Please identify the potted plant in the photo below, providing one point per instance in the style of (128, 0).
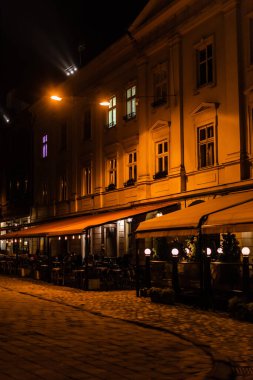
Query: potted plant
(226, 270)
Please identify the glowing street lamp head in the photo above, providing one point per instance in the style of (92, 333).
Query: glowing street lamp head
(104, 103)
(55, 97)
(70, 70)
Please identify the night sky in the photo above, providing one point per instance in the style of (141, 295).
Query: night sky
(40, 38)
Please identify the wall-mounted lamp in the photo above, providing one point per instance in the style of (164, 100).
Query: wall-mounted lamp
(104, 103)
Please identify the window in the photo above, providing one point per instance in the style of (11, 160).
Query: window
(44, 146)
(112, 112)
(63, 138)
(205, 63)
(160, 79)
(86, 179)
(63, 188)
(161, 159)
(87, 125)
(130, 103)
(206, 146)
(112, 173)
(132, 169)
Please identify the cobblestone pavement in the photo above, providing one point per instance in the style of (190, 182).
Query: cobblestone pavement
(207, 333)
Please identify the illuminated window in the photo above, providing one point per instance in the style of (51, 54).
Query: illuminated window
(86, 179)
(206, 146)
(205, 63)
(132, 169)
(87, 125)
(112, 112)
(161, 159)
(130, 103)
(160, 79)
(112, 173)
(44, 146)
(63, 189)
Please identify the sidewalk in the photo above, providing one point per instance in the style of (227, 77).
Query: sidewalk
(227, 340)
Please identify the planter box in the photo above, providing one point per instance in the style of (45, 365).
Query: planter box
(226, 276)
(189, 274)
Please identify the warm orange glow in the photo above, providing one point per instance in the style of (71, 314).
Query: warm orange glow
(55, 97)
(104, 103)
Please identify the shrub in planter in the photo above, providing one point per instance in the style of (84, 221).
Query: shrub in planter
(162, 295)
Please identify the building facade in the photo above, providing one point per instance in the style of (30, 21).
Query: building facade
(178, 127)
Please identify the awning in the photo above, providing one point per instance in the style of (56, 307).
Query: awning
(234, 219)
(76, 225)
(189, 220)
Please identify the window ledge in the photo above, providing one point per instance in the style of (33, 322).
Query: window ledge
(130, 182)
(129, 116)
(161, 174)
(159, 102)
(111, 187)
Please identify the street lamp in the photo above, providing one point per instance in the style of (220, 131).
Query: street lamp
(207, 276)
(55, 97)
(147, 252)
(175, 280)
(245, 270)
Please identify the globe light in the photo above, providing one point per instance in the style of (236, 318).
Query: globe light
(208, 252)
(245, 251)
(147, 252)
(175, 252)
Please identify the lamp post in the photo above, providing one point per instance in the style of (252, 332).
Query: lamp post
(147, 252)
(207, 277)
(175, 280)
(245, 271)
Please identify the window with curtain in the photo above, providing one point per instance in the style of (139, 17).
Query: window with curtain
(161, 164)
(112, 112)
(206, 146)
(130, 103)
(131, 168)
(112, 173)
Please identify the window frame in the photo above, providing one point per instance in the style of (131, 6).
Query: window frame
(205, 142)
(201, 47)
(130, 102)
(161, 159)
(131, 165)
(160, 84)
(111, 175)
(112, 112)
(87, 179)
(45, 145)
